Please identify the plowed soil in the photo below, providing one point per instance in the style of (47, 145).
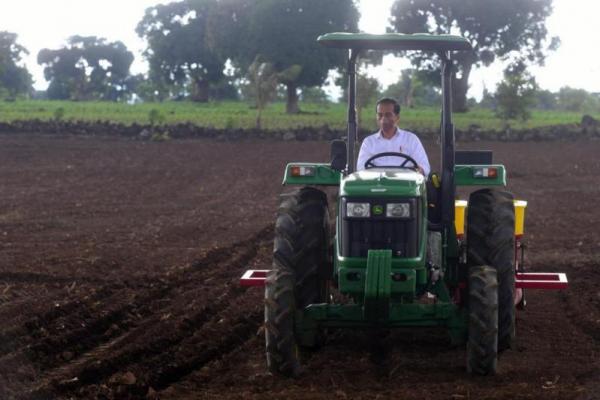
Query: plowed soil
(120, 260)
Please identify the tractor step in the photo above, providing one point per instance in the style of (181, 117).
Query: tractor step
(541, 280)
(254, 277)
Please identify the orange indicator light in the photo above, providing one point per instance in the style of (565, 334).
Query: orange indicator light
(301, 170)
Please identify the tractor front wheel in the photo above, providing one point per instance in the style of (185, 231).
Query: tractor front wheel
(482, 344)
(301, 268)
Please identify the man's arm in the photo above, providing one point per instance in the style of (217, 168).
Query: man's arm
(420, 156)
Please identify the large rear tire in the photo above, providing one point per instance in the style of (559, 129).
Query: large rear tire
(482, 344)
(301, 268)
(491, 241)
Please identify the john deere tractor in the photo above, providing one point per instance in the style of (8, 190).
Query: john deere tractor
(399, 251)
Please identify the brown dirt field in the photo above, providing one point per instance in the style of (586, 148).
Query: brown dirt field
(120, 260)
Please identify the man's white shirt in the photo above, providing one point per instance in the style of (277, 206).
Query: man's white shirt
(402, 142)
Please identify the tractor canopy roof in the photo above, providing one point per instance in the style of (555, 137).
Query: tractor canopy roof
(394, 41)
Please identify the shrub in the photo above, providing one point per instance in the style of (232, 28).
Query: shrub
(59, 114)
(516, 93)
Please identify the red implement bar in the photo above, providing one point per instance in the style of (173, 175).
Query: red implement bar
(523, 280)
(254, 277)
(541, 280)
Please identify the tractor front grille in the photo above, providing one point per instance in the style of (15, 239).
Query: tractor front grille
(359, 235)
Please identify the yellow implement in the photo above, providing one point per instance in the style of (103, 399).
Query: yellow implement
(520, 206)
(460, 207)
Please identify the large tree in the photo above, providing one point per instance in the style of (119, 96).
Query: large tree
(87, 68)
(284, 33)
(14, 79)
(182, 50)
(496, 29)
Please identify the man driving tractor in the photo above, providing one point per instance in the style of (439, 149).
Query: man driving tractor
(390, 138)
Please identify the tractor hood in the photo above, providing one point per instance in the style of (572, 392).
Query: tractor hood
(383, 182)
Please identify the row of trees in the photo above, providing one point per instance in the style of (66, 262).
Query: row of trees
(517, 95)
(514, 97)
(205, 48)
(190, 42)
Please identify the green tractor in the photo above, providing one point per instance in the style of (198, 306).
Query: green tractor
(399, 252)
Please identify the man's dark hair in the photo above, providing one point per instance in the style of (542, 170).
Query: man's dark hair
(389, 100)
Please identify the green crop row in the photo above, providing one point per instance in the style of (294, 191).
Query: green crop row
(241, 115)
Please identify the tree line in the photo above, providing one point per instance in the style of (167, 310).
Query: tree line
(214, 49)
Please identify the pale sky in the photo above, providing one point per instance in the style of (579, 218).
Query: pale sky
(48, 23)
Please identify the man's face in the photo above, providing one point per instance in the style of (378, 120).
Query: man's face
(386, 119)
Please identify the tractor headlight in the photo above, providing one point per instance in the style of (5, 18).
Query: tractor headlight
(398, 210)
(358, 210)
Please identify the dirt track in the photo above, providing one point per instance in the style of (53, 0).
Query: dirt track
(119, 263)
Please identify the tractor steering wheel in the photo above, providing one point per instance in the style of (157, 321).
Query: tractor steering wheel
(407, 158)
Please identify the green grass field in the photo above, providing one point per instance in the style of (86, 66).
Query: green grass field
(241, 115)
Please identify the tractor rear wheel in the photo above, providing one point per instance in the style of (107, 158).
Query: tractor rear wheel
(482, 344)
(301, 268)
(491, 241)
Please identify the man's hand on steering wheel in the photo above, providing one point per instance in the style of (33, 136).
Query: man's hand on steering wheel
(407, 159)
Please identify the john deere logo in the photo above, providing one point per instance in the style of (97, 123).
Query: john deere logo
(377, 210)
